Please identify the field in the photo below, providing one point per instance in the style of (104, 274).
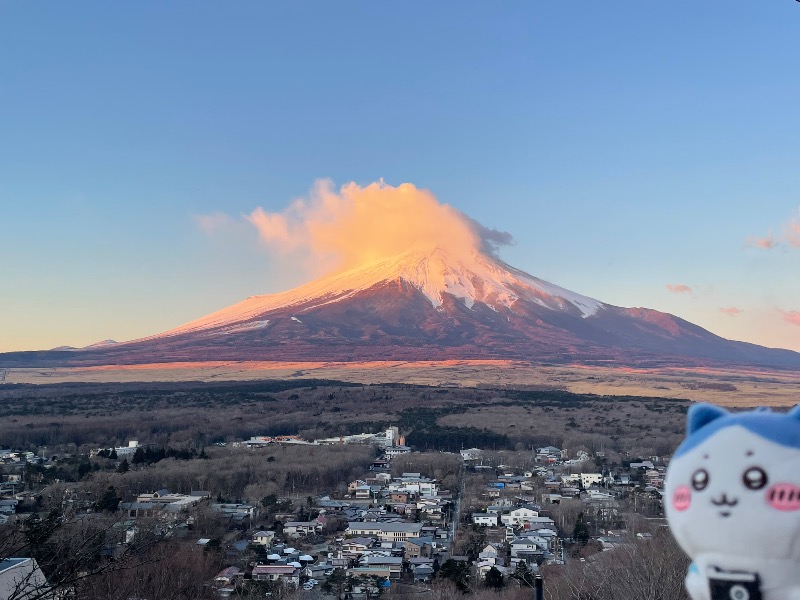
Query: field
(728, 387)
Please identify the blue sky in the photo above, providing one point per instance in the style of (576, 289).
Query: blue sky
(627, 146)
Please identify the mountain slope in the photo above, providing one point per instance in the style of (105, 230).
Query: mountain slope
(428, 305)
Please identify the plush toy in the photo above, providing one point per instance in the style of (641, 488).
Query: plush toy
(733, 503)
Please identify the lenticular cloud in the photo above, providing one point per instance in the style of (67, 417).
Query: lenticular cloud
(342, 229)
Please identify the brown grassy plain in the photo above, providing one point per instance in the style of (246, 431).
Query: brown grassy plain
(725, 386)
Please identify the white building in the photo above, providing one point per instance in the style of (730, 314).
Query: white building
(387, 532)
(590, 479)
(485, 519)
(396, 451)
(127, 451)
(472, 454)
(518, 517)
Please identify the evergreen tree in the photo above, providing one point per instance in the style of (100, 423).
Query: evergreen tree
(523, 574)
(123, 466)
(457, 572)
(109, 501)
(494, 579)
(581, 531)
(138, 456)
(335, 582)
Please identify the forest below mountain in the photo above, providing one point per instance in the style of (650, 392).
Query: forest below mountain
(196, 415)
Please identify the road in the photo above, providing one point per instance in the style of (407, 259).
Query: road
(456, 516)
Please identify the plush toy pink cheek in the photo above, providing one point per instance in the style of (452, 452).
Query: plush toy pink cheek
(784, 496)
(682, 498)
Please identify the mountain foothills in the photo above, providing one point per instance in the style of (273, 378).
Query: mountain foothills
(427, 305)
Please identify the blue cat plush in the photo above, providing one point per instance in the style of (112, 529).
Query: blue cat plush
(732, 500)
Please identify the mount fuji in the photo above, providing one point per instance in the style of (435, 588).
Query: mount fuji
(427, 304)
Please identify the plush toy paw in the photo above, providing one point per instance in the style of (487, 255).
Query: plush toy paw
(697, 585)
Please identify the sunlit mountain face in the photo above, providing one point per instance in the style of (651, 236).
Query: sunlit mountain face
(428, 304)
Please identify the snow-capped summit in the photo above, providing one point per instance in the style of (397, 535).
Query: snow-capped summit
(435, 273)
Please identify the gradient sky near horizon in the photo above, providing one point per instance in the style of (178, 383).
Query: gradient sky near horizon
(641, 153)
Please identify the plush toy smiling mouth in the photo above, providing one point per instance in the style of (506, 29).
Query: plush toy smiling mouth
(724, 501)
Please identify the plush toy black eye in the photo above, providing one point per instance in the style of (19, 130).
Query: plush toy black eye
(754, 478)
(700, 480)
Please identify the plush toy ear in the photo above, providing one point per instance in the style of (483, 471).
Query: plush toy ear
(795, 412)
(701, 415)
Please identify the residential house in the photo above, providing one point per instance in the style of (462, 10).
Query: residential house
(539, 523)
(482, 567)
(485, 519)
(263, 538)
(227, 580)
(363, 492)
(21, 578)
(404, 509)
(288, 574)
(419, 547)
(354, 485)
(519, 516)
(296, 529)
(8, 507)
(414, 483)
(401, 496)
(528, 549)
(433, 511)
(357, 546)
(423, 573)
(394, 564)
(472, 454)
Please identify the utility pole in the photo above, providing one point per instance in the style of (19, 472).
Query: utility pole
(538, 588)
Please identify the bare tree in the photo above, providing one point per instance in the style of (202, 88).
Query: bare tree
(638, 570)
(71, 549)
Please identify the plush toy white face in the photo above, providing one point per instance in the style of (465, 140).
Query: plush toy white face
(736, 493)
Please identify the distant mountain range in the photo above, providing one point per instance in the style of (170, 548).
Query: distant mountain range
(427, 305)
